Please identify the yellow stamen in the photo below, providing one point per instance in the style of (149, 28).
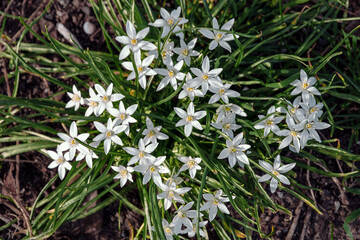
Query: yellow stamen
(216, 202)
(293, 133)
(123, 173)
(133, 41)
(185, 52)
(170, 21)
(105, 98)
(269, 122)
(233, 150)
(308, 125)
(221, 91)
(218, 36)
(76, 98)
(275, 173)
(151, 133)
(190, 164)
(293, 110)
(141, 154)
(305, 85)
(227, 126)
(140, 69)
(122, 116)
(60, 160)
(171, 74)
(108, 134)
(170, 194)
(152, 169)
(190, 89)
(205, 77)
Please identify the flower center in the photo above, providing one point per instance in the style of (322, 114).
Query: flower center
(60, 160)
(189, 118)
(151, 133)
(140, 69)
(191, 164)
(73, 142)
(122, 116)
(218, 36)
(152, 169)
(221, 91)
(123, 173)
(227, 126)
(76, 98)
(190, 89)
(227, 109)
(170, 21)
(171, 73)
(215, 201)
(275, 173)
(293, 133)
(205, 77)
(293, 110)
(167, 230)
(105, 98)
(305, 85)
(93, 104)
(185, 52)
(141, 154)
(269, 122)
(163, 54)
(308, 125)
(314, 109)
(170, 194)
(108, 134)
(133, 41)
(233, 149)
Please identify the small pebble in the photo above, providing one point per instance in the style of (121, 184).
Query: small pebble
(89, 28)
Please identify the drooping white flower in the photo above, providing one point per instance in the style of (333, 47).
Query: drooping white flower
(134, 41)
(170, 21)
(93, 103)
(60, 161)
(71, 142)
(88, 154)
(185, 51)
(172, 193)
(227, 125)
(191, 232)
(151, 168)
(123, 115)
(219, 37)
(172, 74)
(292, 134)
(182, 217)
(106, 98)
(205, 76)
(228, 109)
(214, 203)
(269, 123)
(190, 163)
(153, 133)
(235, 151)
(189, 91)
(277, 171)
(222, 92)
(166, 53)
(109, 134)
(142, 153)
(142, 68)
(76, 99)
(306, 88)
(189, 118)
(124, 174)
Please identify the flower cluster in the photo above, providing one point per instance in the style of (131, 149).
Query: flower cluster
(191, 83)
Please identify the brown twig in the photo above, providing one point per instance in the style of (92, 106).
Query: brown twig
(306, 224)
(295, 221)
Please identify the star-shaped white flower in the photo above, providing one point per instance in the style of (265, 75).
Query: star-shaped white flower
(172, 193)
(153, 133)
(106, 98)
(71, 142)
(182, 217)
(214, 203)
(170, 21)
(189, 91)
(123, 116)
(312, 109)
(235, 151)
(60, 161)
(190, 163)
(269, 123)
(189, 118)
(191, 232)
(172, 74)
(141, 153)
(205, 76)
(93, 104)
(124, 174)
(142, 68)
(88, 154)
(168, 229)
(276, 170)
(166, 53)
(222, 92)
(76, 99)
(310, 126)
(227, 125)
(186, 51)
(219, 37)
(306, 88)
(151, 168)
(134, 41)
(292, 134)
(109, 134)
(228, 109)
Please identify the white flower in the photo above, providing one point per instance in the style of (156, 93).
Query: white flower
(172, 193)
(190, 163)
(276, 170)
(142, 68)
(93, 104)
(153, 133)
(60, 161)
(219, 37)
(295, 111)
(123, 116)
(269, 123)
(124, 174)
(189, 118)
(227, 125)
(76, 99)
(168, 229)
(169, 21)
(134, 41)
(306, 88)
(109, 133)
(166, 53)
(310, 126)
(144, 152)
(292, 134)
(105, 98)
(88, 154)
(189, 91)
(186, 51)
(235, 151)
(214, 203)
(182, 217)
(228, 109)
(191, 232)
(222, 92)
(204, 77)
(151, 168)
(71, 142)
(313, 109)
(172, 74)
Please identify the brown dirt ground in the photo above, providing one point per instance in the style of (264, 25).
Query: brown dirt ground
(104, 224)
